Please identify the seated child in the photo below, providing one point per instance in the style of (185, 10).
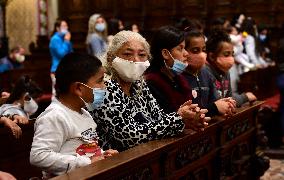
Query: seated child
(65, 133)
(199, 79)
(19, 105)
(220, 58)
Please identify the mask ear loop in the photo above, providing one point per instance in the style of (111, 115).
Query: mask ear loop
(171, 57)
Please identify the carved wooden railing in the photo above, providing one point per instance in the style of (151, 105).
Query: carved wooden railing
(224, 150)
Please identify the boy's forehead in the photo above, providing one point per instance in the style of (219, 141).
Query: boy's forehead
(197, 41)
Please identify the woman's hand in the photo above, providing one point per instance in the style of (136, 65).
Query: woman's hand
(186, 111)
(194, 117)
(20, 119)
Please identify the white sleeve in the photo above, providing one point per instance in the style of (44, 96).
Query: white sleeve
(250, 50)
(50, 134)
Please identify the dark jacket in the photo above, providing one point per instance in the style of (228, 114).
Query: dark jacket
(169, 93)
(203, 90)
(223, 86)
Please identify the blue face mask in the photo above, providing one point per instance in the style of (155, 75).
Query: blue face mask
(99, 96)
(262, 37)
(100, 27)
(178, 66)
(63, 31)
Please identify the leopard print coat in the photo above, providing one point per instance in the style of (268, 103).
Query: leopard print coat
(125, 121)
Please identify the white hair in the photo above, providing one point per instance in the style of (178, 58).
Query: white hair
(123, 37)
(117, 42)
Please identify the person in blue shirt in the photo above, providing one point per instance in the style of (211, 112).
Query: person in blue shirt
(59, 46)
(14, 60)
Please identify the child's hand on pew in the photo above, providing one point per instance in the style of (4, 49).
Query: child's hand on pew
(110, 152)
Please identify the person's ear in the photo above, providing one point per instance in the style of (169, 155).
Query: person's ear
(77, 89)
(165, 54)
(211, 57)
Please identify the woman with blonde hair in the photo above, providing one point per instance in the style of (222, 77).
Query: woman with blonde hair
(130, 115)
(97, 35)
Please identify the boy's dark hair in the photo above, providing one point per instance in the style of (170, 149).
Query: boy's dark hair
(75, 67)
(23, 85)
(215, 38)
(190, 33)
(167, 37)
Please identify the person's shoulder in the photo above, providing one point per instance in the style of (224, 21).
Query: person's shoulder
(55, 37)
(10, 109)
(154, 76)
(4, 59)
(205, 70)
(94, 36)
(54, 112)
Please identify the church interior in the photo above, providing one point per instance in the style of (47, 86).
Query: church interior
(245, 143)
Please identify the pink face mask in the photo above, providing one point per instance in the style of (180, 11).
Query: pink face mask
(196, 61)
(225, 63)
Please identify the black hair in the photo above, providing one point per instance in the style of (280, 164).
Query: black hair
(57, 24)
(113, 26)
(184, 23)
(215, 38)
(75, 67)
(167, 37)
(190, 33)
(24, 85)
(248, 26)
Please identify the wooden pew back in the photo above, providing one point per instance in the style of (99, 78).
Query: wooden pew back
(224, 150)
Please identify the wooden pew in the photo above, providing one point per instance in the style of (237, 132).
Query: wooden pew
(224, 150)
(41, 75)
(262, 82)
(14, 153)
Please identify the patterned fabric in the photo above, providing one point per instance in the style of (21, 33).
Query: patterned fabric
(125, 121)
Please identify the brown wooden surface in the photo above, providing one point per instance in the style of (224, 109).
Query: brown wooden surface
(15, 153)
(204, 155)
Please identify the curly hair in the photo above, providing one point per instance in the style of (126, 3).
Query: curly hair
(215, 38)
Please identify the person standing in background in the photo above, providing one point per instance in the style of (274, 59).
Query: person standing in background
(97, 35)
(59, 46)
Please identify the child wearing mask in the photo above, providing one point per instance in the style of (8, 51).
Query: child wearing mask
(202, 87)
(20, 105)
(220, 58)
(14, 60)
(65, 133)
(163, 77)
